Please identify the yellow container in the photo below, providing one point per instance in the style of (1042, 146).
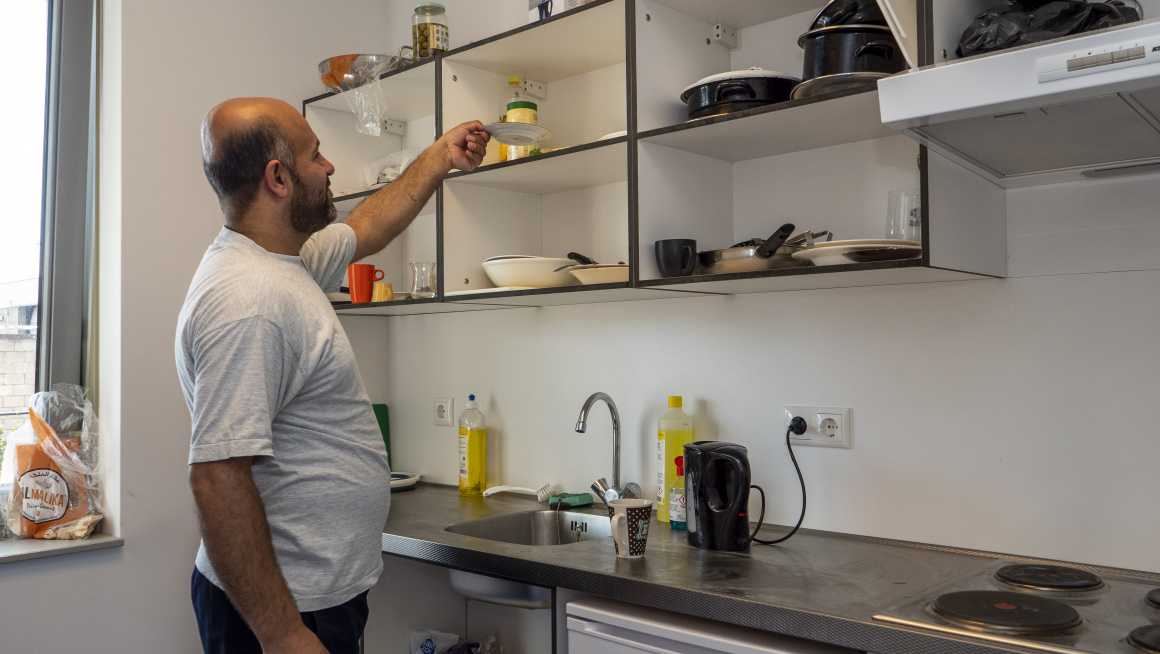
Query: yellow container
(472, 451)
(674, 432)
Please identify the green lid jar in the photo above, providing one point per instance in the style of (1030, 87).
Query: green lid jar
(429, 33)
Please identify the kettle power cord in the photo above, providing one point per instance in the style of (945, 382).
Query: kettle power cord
(796, 426)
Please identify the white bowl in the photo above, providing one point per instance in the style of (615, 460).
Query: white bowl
(600, 273)
(535, 272)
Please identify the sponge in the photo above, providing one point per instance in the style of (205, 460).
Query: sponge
(570, 500)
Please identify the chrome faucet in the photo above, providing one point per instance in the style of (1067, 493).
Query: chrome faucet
(582, 425)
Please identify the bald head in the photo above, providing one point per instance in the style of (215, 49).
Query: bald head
(240, 137)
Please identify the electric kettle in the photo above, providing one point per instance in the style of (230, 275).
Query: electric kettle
(717, 479)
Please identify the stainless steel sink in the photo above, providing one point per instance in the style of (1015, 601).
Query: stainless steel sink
(537, 527)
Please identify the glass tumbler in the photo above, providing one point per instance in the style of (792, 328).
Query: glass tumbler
(903, 217)
(421, 279)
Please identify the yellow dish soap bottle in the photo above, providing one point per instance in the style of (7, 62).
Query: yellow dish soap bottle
(674, 431)
(472, 451)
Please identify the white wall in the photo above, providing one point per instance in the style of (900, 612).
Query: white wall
(1007, 415)
(176, 60)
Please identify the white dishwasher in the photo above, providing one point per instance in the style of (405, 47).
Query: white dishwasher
(601, 626)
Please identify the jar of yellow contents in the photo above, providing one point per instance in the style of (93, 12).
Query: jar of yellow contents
(429, 33)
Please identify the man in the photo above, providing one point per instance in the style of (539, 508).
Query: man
(287, 466)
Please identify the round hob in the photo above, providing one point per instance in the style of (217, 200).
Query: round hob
(1006, 612)
(1048, 577)
(1146, 638)
(1153, 598)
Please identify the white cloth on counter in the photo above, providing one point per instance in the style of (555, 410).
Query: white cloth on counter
(267, 371)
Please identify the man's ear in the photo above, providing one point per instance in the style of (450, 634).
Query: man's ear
(277, 178)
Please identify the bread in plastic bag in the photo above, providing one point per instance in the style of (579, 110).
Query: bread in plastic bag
(53, 465)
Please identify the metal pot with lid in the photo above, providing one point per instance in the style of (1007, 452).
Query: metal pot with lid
(736, 90)
(847, 56)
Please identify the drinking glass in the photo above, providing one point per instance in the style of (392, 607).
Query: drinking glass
(903, 215)
(421, 279)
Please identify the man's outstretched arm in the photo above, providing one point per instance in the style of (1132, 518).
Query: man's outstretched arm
(384, 215)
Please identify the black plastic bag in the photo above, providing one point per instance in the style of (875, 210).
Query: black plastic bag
(1021, 22)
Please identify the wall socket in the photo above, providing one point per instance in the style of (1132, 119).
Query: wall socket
(826, 426)
(444, 410)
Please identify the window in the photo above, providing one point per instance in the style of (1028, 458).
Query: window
(24, 39)
(47, 175)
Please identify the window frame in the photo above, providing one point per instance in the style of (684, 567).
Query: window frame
(68, 194)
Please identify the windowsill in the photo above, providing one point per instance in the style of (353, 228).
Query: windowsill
(31, 548)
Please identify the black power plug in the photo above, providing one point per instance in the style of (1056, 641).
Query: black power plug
(798, 425)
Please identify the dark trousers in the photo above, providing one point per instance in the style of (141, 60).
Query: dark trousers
(224, 631)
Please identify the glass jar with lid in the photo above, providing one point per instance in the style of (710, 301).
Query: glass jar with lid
(429, 32)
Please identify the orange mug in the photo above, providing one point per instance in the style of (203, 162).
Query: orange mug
(361, 278)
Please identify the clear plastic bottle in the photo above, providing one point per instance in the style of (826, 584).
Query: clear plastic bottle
(674, 431)
(429, 33)
(472, 451)
(677, 496)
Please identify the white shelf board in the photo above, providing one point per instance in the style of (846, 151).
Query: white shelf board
(740, 14)
(549, 174)
(580, 41)
(822, 280)
(810, 126)
(410, 95)
(408, 309)
(597, 296)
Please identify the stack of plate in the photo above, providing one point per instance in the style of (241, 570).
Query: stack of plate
(833, 253)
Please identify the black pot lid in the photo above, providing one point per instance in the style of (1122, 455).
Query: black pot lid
(834, 29)
(748, 73)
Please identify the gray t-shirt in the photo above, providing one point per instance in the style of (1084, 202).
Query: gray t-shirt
(267, 371)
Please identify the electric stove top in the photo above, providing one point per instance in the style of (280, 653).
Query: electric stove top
(1051, 608)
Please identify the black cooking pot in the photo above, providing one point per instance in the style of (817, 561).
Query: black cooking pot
(842, 12)
(843, 49)
(736, 91)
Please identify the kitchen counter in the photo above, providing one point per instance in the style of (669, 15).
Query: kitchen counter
(817, 585)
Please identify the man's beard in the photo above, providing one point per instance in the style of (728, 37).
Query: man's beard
(310, 214)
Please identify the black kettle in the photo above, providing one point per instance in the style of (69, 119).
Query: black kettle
(717, 479)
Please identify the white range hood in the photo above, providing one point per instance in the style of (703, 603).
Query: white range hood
(1085, 106)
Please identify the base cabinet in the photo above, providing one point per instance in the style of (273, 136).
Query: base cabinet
(601, 626)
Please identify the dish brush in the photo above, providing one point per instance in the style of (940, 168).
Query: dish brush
(543, 493)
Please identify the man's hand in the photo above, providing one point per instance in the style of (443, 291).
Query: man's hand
(300, 641)
(465, 145)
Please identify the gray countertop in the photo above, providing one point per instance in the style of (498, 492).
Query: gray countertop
(817, 585)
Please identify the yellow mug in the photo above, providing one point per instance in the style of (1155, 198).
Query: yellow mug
(383, 292)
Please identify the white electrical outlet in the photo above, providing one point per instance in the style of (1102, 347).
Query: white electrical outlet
(444, 410)
(826, 426)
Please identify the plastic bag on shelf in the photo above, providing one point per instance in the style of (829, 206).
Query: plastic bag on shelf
(388, 168)
(1022, 22)
(53, 465)
(368, 101)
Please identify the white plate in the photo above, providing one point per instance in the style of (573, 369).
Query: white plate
(868, 242)
(613, 135)
(834, 254)
(404, 479)
(600, 273)
(517, 133)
